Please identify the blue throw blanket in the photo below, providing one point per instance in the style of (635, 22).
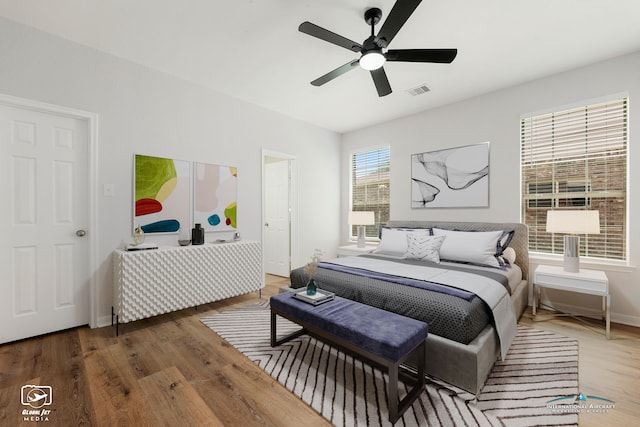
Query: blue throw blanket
(430, 286)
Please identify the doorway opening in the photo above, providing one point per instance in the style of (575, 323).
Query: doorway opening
(279, 233)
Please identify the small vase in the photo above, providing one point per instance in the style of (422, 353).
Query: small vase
(138, 235)
(184, 238)
(197, 235)
(311, 287)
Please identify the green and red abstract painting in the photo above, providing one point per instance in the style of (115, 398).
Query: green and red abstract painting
(173, 194)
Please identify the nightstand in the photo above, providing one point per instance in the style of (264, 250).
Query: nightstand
(350, 250)
(590, 282)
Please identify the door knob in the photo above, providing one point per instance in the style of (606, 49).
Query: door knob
(81, 233)
(266, 224)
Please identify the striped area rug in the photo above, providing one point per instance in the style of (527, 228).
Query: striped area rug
(540, 366)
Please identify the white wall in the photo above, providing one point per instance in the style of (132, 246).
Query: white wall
(494, 117)
(147, 112)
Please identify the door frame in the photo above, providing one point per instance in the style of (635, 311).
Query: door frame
(293, 200)
(92, 170)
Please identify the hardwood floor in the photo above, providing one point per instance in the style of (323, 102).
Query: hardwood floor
(171, 370)
(608, 368)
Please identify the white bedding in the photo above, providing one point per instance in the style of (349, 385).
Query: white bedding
(513, 273)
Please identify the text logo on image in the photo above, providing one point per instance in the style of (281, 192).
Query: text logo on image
(36, 396)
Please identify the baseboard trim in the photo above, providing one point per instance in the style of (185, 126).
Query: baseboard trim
(104, 321)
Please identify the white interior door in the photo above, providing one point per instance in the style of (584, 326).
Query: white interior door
(44, 254)
(277, 217)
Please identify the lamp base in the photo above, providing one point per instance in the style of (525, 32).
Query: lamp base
(572, 253)
(361, 237)
(572, 264)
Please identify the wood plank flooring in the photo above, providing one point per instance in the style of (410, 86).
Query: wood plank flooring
(171, 370)
(608, 368)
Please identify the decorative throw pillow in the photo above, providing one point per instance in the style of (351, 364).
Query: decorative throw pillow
(393, 241)
(424, 247)
(504, 240)
(509, 255)
(476, 247)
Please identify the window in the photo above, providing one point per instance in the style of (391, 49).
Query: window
(370, 186)
(545, 189)
(577, 159)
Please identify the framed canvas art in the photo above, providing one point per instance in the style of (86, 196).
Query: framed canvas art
(170, 195)
(215, 196)
(162, 194)
(451, 178)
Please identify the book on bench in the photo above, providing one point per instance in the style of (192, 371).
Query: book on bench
(318, 298)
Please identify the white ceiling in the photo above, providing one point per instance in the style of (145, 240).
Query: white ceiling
(252, 50)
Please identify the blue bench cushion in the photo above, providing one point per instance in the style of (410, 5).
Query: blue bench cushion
(380, 332)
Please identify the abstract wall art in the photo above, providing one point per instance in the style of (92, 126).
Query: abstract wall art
(451, 178)
(175, 194)
(215, 196)
(162, 194)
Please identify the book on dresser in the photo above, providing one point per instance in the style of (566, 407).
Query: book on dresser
(140, 247)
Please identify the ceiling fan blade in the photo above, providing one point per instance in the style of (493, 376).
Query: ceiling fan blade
(381, 81)
(399, 14)
(329, 36)
(441, 56)
(335, 73)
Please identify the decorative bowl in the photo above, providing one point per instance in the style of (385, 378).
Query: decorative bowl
(184, 242)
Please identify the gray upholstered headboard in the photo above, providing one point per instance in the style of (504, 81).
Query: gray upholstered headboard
(520, 241)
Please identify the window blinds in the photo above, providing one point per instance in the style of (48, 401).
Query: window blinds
(370, 174)
(577, 159)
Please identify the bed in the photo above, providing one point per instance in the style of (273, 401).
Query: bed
(444, 276)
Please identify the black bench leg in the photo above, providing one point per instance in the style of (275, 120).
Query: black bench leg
(274, 340)
(273, 329)
(396, 409)
(392, 390)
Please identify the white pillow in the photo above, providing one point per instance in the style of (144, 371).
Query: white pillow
(393, 241)
(424, 247)
(477, 247)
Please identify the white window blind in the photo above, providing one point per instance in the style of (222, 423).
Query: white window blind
(577, 159)
(370, 171)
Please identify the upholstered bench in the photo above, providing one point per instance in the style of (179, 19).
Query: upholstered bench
(382, 338)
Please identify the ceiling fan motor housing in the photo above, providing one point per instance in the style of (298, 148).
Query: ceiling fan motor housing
(372, 16)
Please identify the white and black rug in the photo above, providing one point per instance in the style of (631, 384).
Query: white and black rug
(539, 367)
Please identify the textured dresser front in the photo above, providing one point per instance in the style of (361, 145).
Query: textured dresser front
(148, 283)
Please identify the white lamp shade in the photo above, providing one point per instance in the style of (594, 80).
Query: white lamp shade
(573, 222)
(361, 218)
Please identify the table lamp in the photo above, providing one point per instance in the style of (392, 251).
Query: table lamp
(573, 223)
(361, 218)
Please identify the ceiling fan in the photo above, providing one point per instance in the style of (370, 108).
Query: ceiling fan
(373, 55)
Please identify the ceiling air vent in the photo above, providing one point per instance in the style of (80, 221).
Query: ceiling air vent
(418, 90)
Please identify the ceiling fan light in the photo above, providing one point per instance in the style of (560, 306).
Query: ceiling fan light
(372, 60)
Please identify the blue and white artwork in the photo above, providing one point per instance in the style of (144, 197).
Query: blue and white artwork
(452, 178)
